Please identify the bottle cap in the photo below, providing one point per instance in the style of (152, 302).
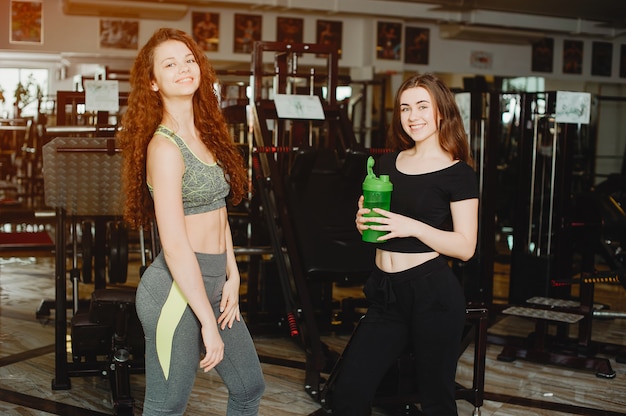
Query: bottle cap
(373, 183)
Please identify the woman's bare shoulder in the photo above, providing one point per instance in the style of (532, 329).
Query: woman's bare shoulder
(162, 145)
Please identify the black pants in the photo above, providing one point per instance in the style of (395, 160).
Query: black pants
(421, 309)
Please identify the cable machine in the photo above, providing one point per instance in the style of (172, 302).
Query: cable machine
(556, 166)
(557, 229)
(288, 149)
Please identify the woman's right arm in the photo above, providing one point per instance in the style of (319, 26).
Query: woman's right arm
(165, 168)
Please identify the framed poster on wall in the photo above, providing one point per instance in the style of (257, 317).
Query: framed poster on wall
(206, 30)
(289, 29)
(417, 44)
(622, 62)
(542, 55)
(572, 57)
(389, 44)
(119, 34)
(248, 28)
(601, 58)
(26, 24)
(329, 32)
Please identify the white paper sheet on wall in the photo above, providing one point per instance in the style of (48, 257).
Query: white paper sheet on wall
(573, 107)
(102, 96)
(308, 107)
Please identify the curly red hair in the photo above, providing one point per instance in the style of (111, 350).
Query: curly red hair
(145, 112)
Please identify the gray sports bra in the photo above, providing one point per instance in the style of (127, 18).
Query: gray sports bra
(204, 186)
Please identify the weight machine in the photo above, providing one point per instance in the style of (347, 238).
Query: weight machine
(276, 156)
(81, 179)
(557, 232)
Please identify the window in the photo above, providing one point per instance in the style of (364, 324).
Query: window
(523, 84)
(34, 86)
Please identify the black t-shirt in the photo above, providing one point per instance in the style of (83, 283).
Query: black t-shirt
(425, 197)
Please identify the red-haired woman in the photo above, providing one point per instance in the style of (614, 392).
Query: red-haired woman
(180, 165)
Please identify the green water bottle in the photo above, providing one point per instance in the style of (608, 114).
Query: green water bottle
(376, 194)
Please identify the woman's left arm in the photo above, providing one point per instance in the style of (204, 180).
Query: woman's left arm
(229, 305)
(460, 243)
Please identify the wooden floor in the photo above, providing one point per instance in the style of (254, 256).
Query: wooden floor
(511, 388)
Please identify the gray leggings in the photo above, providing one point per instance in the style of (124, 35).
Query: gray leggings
(168, 389)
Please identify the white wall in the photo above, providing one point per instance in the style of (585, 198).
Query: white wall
(74, 39)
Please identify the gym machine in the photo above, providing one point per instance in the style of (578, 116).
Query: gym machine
(276, 156)
(557, 228)
(81, 180)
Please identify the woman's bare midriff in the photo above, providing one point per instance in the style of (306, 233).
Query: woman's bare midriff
(392, 262)
(206, 231)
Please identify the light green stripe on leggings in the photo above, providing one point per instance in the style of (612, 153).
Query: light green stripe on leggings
(171, 313)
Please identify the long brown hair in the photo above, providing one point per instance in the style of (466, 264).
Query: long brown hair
(452, 136)
(145, 112)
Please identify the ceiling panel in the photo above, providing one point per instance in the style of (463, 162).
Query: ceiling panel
(609, 12)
